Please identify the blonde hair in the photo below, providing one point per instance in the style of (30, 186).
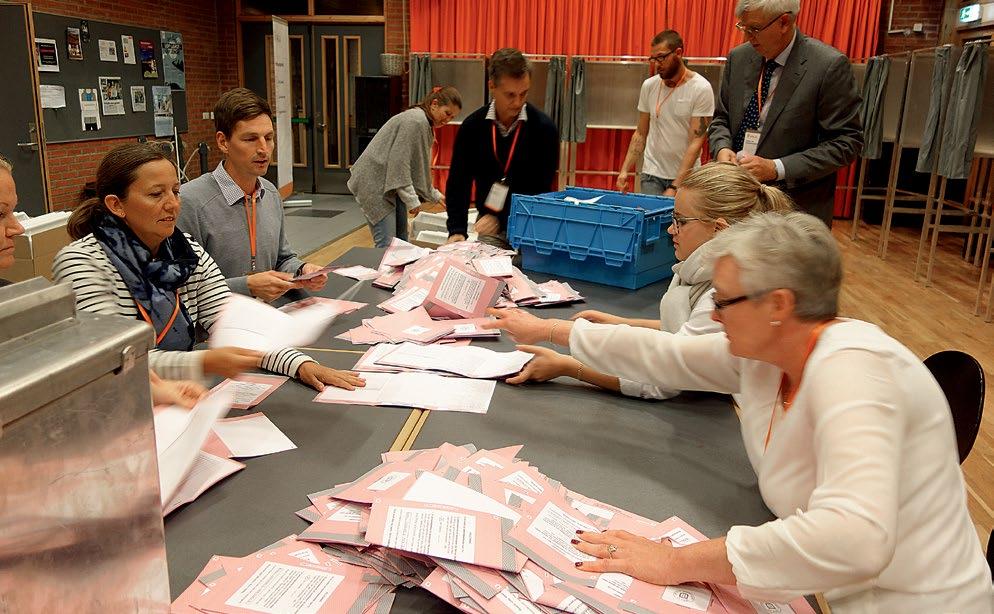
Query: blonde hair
(5, 165)
(730, 192)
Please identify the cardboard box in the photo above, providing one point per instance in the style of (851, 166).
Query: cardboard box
(49, 241)
(27, 268)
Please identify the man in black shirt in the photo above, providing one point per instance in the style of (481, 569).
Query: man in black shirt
(504, 147)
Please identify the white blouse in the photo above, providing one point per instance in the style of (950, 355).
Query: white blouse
(862, 473)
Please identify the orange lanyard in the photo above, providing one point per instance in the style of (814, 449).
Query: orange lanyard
(510, 154)
(659, 92)
(161, 335)
(786, 395)
(759, 87)
(250, 220)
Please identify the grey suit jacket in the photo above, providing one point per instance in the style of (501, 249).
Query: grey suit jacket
(813, 124)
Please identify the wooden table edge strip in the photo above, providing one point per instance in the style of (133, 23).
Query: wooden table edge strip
(402, 441)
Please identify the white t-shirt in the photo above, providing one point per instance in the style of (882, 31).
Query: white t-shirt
(668, 130)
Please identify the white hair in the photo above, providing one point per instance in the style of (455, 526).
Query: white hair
(768, 7)
(5, 165)
(795, 251)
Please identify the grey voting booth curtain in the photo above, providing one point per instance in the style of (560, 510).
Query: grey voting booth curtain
(871, 111)
(965, 104)
(555, 90)
(928, 155)
(420, 77)
(575, 121)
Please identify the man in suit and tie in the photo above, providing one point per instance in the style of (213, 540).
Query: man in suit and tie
(788, 109)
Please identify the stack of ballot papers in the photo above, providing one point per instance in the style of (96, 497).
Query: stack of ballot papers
(356, 272)
(474, 362)
(482, 530)
(339, 306)
(253, 325)
(416, 389)
(414, 325)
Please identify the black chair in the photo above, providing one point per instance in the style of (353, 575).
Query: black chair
(962, 381)
(990, 552)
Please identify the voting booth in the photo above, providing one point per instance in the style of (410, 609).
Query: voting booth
(80, 515)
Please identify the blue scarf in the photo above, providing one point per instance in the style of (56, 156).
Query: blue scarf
(153, 282)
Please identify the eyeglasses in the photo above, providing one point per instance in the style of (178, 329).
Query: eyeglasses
(679, 220)
(721, 303)
(659, 57)
(753, 30)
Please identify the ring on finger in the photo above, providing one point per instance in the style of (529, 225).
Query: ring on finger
(611, 549)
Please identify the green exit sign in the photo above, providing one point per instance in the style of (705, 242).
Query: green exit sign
(969, 14)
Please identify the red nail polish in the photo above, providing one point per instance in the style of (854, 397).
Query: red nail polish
(578, 564)
(579, 532)
(574, 541)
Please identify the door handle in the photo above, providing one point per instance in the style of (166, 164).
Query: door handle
(322, 126)
(31, 145)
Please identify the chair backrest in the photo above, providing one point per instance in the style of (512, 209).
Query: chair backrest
(990, 552)
(962, 380)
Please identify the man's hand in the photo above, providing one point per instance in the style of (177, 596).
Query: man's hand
(726, 155)
(622, 182)
(315, 283)
(760, 168)
(669, 192)
(456, 238)
(316, 376)
(270, 285)
(487, 225)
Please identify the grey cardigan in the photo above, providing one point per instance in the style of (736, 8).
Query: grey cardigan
(396, 163)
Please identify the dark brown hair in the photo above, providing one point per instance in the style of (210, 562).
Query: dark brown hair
(444, 95)
(117, 171)
(238, 105)
(672, 39)
(508, 62)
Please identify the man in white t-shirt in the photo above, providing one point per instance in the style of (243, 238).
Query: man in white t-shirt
(675, 108)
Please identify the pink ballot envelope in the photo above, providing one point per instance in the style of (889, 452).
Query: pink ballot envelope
(386, 478)
(389, 277)
(317, 273)
(439, 583)
(341, 524)
(293, 576)
(250, 389)
(400, 252)
(414, 325)
(407, 299)
(339, 306)
(443, 531)
(461, 292)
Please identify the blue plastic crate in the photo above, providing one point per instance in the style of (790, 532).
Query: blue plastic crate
(620, 240)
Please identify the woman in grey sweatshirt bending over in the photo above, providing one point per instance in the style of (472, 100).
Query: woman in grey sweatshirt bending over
(393, 174)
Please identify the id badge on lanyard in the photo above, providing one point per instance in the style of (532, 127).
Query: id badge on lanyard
(497, 197)
(751, 142)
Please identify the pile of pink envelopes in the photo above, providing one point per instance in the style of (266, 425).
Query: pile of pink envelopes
(481, 529)
(461, 280)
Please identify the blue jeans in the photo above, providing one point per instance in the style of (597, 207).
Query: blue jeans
(391, 226)
(655, 186)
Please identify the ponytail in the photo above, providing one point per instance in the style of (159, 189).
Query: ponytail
(728, 191)
(771, 198)
(84, 218)
(443, 95)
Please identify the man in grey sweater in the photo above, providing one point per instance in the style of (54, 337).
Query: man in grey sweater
(235, 213)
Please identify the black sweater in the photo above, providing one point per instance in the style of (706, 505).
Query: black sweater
(533, 169)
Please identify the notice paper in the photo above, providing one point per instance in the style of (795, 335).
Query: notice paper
(494, 266)
(252, 435)
(206, 471)
(250, 390)
(52, 96)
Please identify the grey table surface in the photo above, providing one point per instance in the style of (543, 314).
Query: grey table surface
(683, 456)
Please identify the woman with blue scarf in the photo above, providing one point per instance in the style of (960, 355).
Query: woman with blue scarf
(128, 259)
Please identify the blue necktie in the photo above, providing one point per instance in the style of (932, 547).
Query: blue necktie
(751, 119)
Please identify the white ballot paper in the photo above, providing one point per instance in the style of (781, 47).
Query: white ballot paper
(252, 435)
(247, 323)
(494, 266)
(179, 434)
(207, 470)
(420, 390)
(468, 361)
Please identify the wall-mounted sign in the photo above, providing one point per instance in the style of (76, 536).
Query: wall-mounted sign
(969, 14)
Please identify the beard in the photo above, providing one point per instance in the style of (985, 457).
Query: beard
(667, 74)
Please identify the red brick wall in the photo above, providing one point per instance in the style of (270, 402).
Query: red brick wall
(209, 46)
(398, 16)
(906, 14)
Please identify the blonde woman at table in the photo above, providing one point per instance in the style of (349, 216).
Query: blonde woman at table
(129, 259)
(850, 435)
(711, 198)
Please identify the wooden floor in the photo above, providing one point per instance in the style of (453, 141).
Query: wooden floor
(927, 320)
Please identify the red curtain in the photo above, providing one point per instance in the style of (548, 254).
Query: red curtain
(620, 27)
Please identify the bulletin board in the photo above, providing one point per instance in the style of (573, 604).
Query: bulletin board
(64, 124)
